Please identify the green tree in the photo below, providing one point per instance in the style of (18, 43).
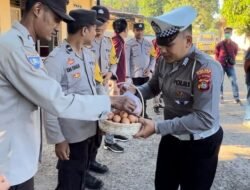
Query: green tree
(206, 9)
(237, 15)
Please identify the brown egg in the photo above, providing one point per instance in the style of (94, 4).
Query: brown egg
(123, 114)
(110, 115)
(117, 118)
(125, 120)
(133, 119)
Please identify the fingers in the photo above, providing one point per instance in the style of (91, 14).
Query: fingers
(140, 133)
(63, 155)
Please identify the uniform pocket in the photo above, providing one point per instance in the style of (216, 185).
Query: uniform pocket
(135, 51)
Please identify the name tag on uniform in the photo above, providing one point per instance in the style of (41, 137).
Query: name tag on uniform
(35, 61)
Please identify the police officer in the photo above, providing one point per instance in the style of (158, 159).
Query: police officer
(140, 57)
(72, 65)
(25, 85)
(190, 83)
(105, 54)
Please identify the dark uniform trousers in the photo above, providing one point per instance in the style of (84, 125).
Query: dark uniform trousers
(97, 144)
(28, 185)
(138, 82)
(72, 172)
(188, 164)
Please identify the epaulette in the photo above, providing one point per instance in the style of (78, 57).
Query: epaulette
(68, 49)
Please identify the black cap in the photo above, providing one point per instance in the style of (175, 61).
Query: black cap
(85, 17)
(139, 26)
(58, 7)
(102, 13)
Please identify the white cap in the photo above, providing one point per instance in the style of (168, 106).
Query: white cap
(175, 21)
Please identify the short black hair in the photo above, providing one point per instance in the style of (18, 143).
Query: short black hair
(29, 4)
(73, 27)
(120, 25)
(228, 29)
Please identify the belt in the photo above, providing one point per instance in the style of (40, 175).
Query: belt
(202, 135)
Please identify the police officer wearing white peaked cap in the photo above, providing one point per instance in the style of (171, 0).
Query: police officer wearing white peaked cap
(190, 83)
(25, 85)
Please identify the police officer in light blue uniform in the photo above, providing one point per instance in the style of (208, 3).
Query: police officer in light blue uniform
(140, 57)
(25, 85)
(72, 65)
(190, 84)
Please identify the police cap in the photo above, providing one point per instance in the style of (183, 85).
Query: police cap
(102, 13)
(139, 26)
(58, 7)
(168, 25)
(84, 17)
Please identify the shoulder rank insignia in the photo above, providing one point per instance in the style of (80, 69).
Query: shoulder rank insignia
(69, 49)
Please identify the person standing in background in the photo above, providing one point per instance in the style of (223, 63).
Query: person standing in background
(120, 27)
(246, 121)
(225, 53)
(140, 58)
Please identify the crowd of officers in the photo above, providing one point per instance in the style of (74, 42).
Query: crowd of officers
(72, 86)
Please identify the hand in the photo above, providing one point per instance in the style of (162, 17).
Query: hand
(4, 184)
(106, 77)
(147, 128)
(147, 73)
(125, 88)
(62, 150)
(123, 103)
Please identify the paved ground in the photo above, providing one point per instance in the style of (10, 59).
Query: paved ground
(134, 169)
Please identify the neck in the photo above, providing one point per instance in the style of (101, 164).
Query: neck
(27, 22)
(99, 37)
(75, 43)
(123, 35)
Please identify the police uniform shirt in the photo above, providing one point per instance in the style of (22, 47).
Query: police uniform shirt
(24, 85)
(191, 93)
(75, 73)
(105, 54)
(140, 55)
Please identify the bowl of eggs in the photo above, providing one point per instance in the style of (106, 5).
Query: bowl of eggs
(120, 123)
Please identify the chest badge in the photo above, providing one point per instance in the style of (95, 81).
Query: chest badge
(76, 75)
(70, 61)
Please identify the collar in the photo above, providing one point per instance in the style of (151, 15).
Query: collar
(140, 41)
(70, 50)
(24, 34)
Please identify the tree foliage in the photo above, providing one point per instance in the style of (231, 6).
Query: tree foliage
(237, 15)
(206, 8)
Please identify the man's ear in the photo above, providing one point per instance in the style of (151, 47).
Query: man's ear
(37, 9)
(189, 39)
(84, 31)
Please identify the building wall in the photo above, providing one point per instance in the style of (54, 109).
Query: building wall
(74, 4)
(5, 14)
(5, 18)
